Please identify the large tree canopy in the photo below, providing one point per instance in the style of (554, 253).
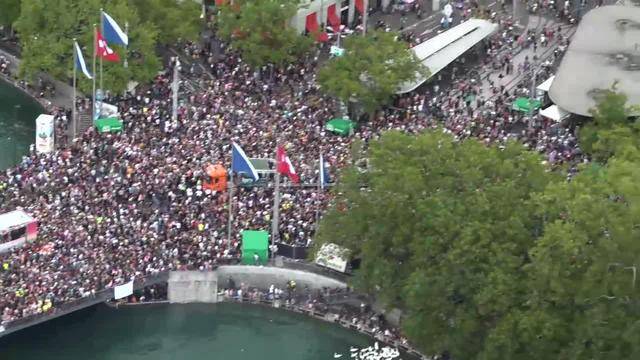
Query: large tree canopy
(46, 34)
(583, 294)
(371, 70)
(9, 12)
(259, 30)
(612, 130)
(443, 229)
(492, 256)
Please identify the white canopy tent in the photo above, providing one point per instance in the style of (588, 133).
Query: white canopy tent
(546, 85)
(554, 113)
(439, 51)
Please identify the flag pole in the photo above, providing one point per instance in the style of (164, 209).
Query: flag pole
(126, 31)
(229, 225)
(320, 187)
(73, 104)
(365, 17)
(276, 205)
(102, 32)
(95, 51)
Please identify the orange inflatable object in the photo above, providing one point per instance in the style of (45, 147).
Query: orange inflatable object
(217, 178)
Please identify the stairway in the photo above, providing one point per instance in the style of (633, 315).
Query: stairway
(84, 121)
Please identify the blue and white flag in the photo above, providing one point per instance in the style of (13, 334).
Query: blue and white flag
(240, 163)
(112, 31)
(80, 64)
(324, 173)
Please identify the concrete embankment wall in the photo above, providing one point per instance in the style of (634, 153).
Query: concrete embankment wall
(193, 286)
(196, 286)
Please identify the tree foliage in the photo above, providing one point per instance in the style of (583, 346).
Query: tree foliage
(259, 30)
(613, 129)
(46, 34)
(491, 256)
(371, 70)
(583, 299)
(175, 20)
(9, 12)
(443, 229)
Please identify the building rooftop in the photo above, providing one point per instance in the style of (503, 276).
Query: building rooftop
(604, 50)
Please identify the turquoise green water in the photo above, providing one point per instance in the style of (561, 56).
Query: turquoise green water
(18, 114)
(182, 332)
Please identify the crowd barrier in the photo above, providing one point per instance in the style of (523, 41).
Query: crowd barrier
(292, 251)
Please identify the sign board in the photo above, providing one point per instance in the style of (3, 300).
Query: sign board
(333, 257)
(44, 134)
(122, 291)
(108, 110)
(336, 51)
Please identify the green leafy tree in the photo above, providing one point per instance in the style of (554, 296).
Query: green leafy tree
(259, 30)
(443, 229)
(371, 70)
(613, 129)
(46, 34)
(583, 292)
(175, 20)
(10, 10)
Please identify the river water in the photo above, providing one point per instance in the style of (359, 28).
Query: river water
(222, 331)
(18, 114)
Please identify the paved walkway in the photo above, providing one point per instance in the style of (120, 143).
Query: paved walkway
(63, 94)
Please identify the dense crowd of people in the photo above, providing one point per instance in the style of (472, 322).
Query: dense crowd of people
(121, 205)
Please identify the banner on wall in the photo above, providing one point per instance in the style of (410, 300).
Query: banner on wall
(333, 257)
(44, 134)
(124, 290)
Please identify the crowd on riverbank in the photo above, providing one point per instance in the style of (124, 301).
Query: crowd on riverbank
(116, 206)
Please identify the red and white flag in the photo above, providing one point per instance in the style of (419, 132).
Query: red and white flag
(284, 166)
(103, 49)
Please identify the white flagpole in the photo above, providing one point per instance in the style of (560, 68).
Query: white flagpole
(175, 87)
(229, 225)
(365, 17)
(95, 51)
(126, 31)
(320, 187)
(102, 32)
(73, 103)
(275, 224)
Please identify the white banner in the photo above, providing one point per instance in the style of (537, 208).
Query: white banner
(44, 133)
(121, 291)
(333, 256)
(109, 110)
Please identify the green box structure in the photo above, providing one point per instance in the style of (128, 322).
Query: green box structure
(255, 242)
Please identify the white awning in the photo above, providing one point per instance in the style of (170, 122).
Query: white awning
(555, 113)
(546, 85)
(439, 51)
(14, 218)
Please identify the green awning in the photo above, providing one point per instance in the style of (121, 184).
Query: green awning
(525, 105)
(341, 126)
(111, 124)
(255, 242)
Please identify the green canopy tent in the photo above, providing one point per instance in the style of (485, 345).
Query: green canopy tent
(255, 242)
(341, 126)
(110, 124)
(526, 105)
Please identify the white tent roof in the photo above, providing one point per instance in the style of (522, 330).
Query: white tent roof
(546, 85)
(554, 112)
(439, 51)
(14, 218)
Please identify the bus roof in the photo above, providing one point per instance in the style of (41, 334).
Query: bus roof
(14, 218)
